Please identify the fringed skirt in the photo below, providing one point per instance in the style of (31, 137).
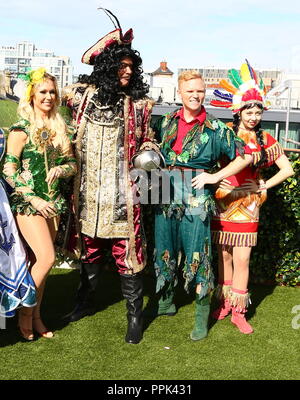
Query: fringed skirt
(237, 226)
(235, 239)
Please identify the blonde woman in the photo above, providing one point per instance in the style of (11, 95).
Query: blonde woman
(39, 154)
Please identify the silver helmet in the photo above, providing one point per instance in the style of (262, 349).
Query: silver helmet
(148, 160)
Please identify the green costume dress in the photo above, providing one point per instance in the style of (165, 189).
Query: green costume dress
(183, 225)
(27, 174)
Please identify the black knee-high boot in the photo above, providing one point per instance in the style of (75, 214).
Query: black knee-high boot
(85, 298)
(132, 290)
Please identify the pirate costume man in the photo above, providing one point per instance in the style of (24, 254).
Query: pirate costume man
(113, 124)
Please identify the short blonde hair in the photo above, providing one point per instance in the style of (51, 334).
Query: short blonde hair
(188, 75)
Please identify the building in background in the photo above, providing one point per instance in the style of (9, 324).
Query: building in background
(282, 120)
(286, 92)
(162, 84)
(26, 56)
(213, 75)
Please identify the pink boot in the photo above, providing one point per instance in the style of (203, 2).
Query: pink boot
(239, 320)
(240, 300)
(223, 310)
(222, 293)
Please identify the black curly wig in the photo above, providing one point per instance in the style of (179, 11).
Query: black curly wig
(105, 75)
(257, 129)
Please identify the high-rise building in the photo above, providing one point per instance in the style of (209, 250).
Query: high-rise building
(26, 56)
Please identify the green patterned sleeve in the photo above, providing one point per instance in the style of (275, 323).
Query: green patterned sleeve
(67, 162)
(12, 165)
(226, 142)
(11, 173)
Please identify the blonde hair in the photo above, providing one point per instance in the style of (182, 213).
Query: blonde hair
(26, 111)
(188, 75)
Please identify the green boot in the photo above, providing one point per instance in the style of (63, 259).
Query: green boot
(165, 303)
(201, 318)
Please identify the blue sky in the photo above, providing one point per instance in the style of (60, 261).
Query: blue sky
(185, 33)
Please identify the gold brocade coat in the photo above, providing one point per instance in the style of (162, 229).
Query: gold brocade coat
(107, 138)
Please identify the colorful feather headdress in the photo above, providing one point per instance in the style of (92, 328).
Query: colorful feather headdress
(246, 88)
(115, 36)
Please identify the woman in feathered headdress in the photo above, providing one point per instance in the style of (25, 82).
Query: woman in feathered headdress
(38, 154)
(240, 197)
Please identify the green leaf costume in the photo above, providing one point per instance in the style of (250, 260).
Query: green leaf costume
(183, 225)
(27, 174)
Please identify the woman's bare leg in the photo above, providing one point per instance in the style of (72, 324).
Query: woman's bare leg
(225, 263)
(38, 323)
(225, 273)
(39, 234)
(241, 260)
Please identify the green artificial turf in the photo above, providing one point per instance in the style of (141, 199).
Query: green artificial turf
(94, 347)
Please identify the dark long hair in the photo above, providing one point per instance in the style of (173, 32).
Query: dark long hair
(105, 75)
(258, 130)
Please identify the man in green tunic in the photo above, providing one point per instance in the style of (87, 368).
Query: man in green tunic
(190, 143)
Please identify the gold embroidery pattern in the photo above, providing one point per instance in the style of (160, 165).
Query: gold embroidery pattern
(110, 185)
(43, 138)
(102, 157)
